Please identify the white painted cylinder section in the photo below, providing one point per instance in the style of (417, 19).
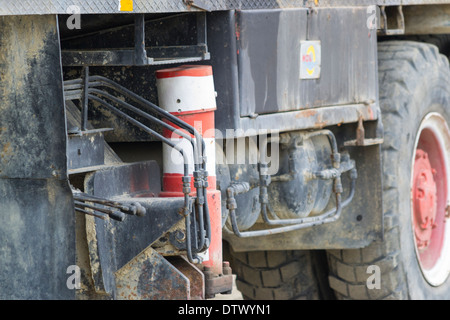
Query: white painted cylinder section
(173, 161)
(188, 93)
(186, 89)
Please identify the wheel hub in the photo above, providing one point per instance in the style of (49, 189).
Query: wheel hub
(430, 194)
(424, 199)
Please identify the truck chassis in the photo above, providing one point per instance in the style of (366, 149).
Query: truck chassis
(318, 149)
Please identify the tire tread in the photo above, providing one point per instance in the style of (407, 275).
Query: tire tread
(398, 62)
(275, 275)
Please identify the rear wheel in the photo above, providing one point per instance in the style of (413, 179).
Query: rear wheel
(413, 259)
(429, 196)
(281, 275)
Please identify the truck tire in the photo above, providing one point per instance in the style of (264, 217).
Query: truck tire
(281, 275)
(442, 41)
(413, 259)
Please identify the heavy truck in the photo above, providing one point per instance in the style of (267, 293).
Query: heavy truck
(154, 149)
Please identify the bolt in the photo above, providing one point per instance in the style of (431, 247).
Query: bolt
(424, 223)
(420, 193)
(180, 236)
(422, 244)
(208, 273)
(73, 130)
(226, 268)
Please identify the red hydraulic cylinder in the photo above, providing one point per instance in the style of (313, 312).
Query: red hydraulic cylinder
(188, 93)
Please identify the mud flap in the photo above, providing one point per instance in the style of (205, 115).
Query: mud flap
(123, 265)
(37, 232)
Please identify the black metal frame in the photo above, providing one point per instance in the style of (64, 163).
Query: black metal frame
(141, 55)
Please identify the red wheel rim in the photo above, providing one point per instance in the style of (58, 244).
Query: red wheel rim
(429, 195)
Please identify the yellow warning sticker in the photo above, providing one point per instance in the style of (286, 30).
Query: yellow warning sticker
(310, 59)
(125, 5)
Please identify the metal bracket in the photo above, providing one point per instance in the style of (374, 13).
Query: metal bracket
(360, 137)
(400, 22)
(141, 55)
(199, 4)
(222, 283)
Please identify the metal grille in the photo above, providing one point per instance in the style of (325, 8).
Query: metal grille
(31, 7)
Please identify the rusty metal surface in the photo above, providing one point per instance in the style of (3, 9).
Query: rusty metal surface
(149, 276)
(218, 283)
(37, 230)
(32, 7)
(112, 245)
(195, 276)
(361, 139)
(311, 118)
(102, 279)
